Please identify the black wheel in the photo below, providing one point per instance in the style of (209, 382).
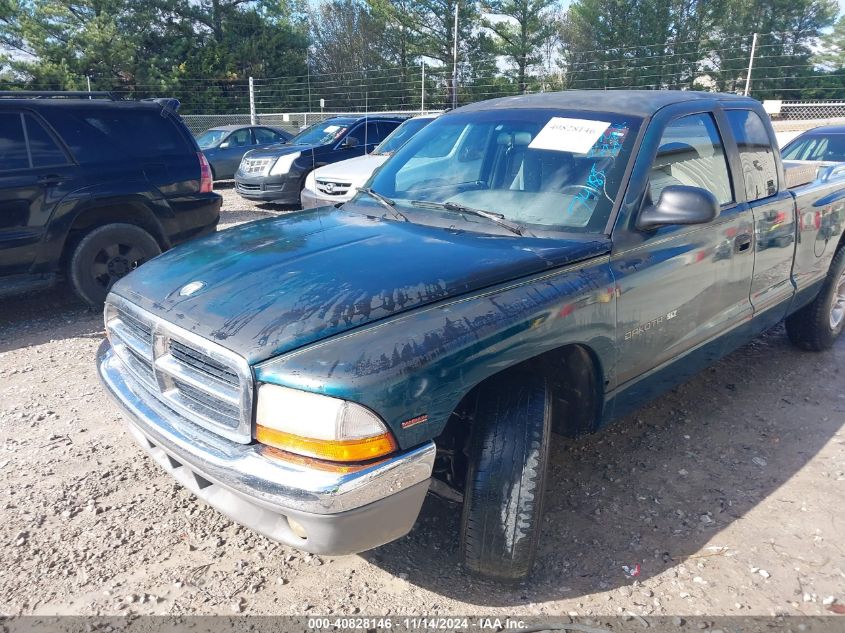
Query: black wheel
(105, 255)
(816, 326)
(508, 455)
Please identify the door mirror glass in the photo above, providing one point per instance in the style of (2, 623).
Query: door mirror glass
(679, 204)
(350, 141)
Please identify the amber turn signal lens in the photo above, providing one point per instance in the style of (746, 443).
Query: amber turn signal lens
(357, 450)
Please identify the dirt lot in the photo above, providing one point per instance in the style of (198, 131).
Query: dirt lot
(729, 493)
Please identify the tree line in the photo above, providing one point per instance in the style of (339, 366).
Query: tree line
(373, 53)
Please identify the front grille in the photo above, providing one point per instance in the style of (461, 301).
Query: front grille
(333, 188)
(255, 166)
(203, 382)
(247, 187)
(203, 363)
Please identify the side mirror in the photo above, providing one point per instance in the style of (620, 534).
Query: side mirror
(350, 141)
(679, 204)
(225, 145)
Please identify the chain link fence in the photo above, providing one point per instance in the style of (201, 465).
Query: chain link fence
(291, 121)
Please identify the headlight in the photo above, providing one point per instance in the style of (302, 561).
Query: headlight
(319, 426)
(284, 163)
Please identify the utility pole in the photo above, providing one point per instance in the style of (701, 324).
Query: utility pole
(253, 119)
(750, 65)
(422, 89)
(455, 60)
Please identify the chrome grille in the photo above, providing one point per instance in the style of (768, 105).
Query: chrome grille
(203, 362)
(332, 187)
(255, 166)
(203, 382)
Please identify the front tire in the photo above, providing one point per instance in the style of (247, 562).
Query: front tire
(816, 326)
(105, 255)
(508, 458)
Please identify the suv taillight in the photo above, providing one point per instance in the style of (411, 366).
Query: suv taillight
(206, 182)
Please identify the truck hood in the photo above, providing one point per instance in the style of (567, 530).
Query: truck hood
(353, 170)
(274, 285)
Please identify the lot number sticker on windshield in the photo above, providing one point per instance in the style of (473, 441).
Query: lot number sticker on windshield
(569, 135)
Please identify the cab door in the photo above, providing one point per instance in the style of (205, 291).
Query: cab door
(230, 152)
(679, 287)
(773, 212)
(35, 173)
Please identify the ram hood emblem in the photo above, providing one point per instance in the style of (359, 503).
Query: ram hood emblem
(188, 289)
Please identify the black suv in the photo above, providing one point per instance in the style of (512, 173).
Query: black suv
(277, 174)
(92, 186)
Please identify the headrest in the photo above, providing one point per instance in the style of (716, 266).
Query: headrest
(673, 152)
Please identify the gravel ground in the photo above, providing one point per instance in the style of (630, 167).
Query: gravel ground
(728, 493)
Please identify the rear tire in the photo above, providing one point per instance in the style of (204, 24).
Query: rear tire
(105, 255)
(816, 326)
(508, 456)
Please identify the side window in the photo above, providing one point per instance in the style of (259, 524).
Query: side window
(13, 153)
(759, 168)
(107, 133)
(385, 128)
(691, 153)
(240, 138)
(43, 148)
(263, 135)
(373, 134)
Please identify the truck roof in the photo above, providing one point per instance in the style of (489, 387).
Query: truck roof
(640, 103)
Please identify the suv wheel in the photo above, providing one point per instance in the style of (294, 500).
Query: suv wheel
(105, 255)
(816, 326)
(508, 455)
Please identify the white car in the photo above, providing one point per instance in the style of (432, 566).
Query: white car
(338, 182)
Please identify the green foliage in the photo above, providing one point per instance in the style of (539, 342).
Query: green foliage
(704, 44)
(200, 52)
(520, 28)
(359, 54)
(831, 54)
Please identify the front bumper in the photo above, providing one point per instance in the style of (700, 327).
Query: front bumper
(341, 513)
(283, 189)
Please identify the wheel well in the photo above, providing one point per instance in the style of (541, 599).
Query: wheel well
(574, 375)
(124, 213)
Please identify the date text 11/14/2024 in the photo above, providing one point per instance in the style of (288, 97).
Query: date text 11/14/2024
(416, 623)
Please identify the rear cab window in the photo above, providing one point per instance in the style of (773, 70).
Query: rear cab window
(759, 168)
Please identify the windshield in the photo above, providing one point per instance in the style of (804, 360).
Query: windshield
(210, 138)
(830, 147)
(401, 135)
(546, 169)
(321, 133)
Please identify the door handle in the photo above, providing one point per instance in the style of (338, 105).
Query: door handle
(51, 179)
(742, 243)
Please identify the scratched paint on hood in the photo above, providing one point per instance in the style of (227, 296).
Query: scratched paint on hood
(275, 285)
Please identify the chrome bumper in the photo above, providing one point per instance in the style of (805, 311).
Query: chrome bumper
(341, 512)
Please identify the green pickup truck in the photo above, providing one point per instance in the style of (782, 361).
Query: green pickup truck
(521, 267)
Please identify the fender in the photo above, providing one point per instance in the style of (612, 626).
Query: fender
(145, 207)
(432, 357)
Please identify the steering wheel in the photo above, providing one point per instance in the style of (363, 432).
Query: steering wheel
(578, 188)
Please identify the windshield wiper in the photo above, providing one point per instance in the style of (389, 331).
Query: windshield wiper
(387, 203)
(498, 218)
